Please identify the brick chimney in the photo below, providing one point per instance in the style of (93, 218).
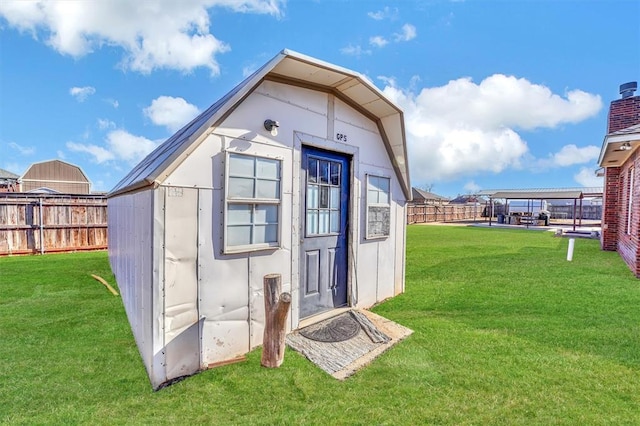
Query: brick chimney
(624, 112)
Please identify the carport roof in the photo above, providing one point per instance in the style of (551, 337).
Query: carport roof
(543, 193)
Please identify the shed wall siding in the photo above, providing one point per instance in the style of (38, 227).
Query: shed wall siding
(131, 257)
(181, 328)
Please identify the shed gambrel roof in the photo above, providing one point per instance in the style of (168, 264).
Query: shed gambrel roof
(291, 68)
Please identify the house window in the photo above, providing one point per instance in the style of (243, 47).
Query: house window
(252, 203)
(630, 180)
(378, 206)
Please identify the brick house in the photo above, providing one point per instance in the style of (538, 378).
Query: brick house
(620, 159)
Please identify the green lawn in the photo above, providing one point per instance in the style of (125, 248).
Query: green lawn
(506, 332)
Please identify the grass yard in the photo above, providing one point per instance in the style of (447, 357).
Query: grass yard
(506, 332)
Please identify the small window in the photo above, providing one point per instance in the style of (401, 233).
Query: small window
(252, 216)
(378, 206)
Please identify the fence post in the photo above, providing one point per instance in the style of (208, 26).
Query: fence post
(41, 216)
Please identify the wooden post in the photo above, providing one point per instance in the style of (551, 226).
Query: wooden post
(276, 310)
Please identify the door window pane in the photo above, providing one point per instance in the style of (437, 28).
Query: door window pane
(335, 198)
(324, 171)
(312, 196)
(312, 170)
(312, 222)
(323, 221)
(335, 173)
(324, 197)
(335, 221)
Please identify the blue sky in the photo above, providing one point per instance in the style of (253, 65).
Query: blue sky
(496, 94)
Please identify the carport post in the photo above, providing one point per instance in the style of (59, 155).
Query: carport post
(490, 210)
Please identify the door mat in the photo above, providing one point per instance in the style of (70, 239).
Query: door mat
(341, 358)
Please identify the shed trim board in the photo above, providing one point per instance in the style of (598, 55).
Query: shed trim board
(191, 246)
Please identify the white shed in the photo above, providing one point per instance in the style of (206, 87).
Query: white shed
(300, 170)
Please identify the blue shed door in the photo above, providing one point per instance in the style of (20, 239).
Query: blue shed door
(323, 263)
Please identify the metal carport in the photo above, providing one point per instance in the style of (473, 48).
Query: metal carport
(543, 194)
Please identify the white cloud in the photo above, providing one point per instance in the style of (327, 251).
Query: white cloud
(104, 124)
(170, 112)
(158, 34)
(100, 154)
(120, 145)
(61, 155)
(587, 177)
(128, 147)
(387, 12)
(356, 50)
(464, 128)
(82, 93)
(408, 33)
(378, 41)
(115, 104)
(248, 70)
(571, 154)
(23, 150)
(471, 187)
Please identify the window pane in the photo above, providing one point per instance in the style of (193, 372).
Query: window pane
(267, 168)
(268, 189)
(324, 197)
(238, 214)
(312, 170)
(240, 187)
(312, 196)
(312, 222)
(383, 198)
(383, 184)
(265, 234)
(335, 173)
(323, 222)
(372, 182)
(240, 165)
(324, 171)
(372, 196)
(335, 198)
(335, 221)
(266, 214)
(238, 235)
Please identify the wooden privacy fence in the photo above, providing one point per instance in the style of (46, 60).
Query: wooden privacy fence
(44, 223)
(422, 213)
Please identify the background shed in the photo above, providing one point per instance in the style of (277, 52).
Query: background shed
(56, 175)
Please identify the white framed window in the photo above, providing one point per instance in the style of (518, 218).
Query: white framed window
(378, 206)
(252, 203)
